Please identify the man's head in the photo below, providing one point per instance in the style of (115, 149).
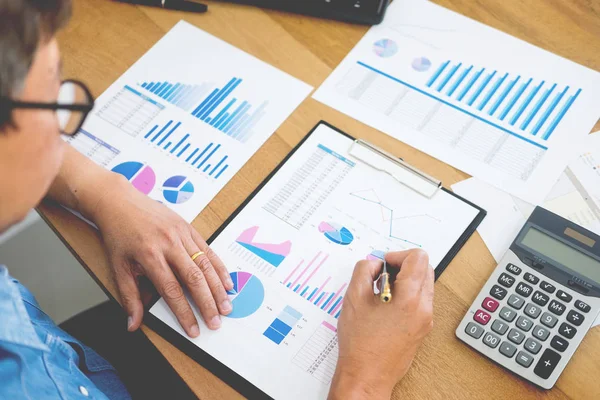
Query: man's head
(31, 150)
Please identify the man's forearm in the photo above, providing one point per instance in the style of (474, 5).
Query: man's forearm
(81, 183)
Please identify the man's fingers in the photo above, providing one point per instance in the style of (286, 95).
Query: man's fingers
(130, 297)
(216, 262)
(161, 275)
(413, 271)
(195, 275)
(364, 276)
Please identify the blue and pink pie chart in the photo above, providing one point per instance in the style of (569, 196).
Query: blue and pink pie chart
(247, 295)
(385, 48)
(141, 176)
(178, 189)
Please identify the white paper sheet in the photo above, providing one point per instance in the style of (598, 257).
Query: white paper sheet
(292, 250)
(489, 104)
(171, 123)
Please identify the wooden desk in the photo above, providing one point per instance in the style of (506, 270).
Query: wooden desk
(105, 38)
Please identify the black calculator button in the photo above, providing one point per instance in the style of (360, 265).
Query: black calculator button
(567, 330)
(549, 320)
(566, 297)
(559, 343)
(507, 314)
(474, 330)
(532, 310)
(524, 359)
(541, 333)
(556, 307)
(540, 298)
(532, 346)
(512, 268)
(500, 327)
(524, 324)
(515, 302)
(498, 292)
(516, 336)
(508, 349)
(531, 278)
(546, 364)
(491, 340)
(575, 318)
(506, 280)
(524, 289)
(581, 306)
(547, 287)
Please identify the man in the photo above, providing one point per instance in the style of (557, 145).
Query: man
(39, 360)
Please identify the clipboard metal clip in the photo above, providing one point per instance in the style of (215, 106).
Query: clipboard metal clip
(397, 168)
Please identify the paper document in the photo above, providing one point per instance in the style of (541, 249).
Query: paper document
(291, 252)
(480, 100)
(186, 117)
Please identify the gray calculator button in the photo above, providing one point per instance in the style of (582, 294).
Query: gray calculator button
(508, 349)
(532, 310)
(532, 346)
(491, 340)
(524, 359)
(541, 333)
(549, 320)
(507, 314)
(516, 336)
(474, 330)
(500, 327)
(524, 323)
(515, 302)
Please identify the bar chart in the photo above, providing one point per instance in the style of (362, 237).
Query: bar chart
(282, 325)
(92, 147)
(173, 139)
(130, 111)
(179, 94)
(228, 114)
(320, 353)
(530, 106)
(304, 280)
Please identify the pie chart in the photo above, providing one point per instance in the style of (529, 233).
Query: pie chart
(178, 189)
(247, 294)
(141, 176)
(336, 233)
(421, 64)
(385, 48)
(376, 255)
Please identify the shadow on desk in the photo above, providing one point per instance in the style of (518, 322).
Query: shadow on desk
(145, 372)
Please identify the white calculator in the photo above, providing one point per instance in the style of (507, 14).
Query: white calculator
(540, 301)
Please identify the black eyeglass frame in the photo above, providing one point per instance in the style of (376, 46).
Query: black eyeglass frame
(83, 108)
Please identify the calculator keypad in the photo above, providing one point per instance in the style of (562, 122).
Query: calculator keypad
(526, 321)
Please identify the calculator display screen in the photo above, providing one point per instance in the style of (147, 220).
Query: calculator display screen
(562, 253)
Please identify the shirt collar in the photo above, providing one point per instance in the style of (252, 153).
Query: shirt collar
(15, 324)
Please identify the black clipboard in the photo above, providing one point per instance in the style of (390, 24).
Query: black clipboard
(220, 370)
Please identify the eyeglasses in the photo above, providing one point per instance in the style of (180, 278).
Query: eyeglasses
(74, 103)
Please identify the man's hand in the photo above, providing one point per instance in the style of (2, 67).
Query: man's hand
(378, 341)
(143, 237)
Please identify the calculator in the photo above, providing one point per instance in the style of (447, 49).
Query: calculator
(540, 301)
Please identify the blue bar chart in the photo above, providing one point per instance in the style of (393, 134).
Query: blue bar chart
(230, 115)
(531, 106)
(282, 325)
(173, 139)
(130, 111)
(179, 94)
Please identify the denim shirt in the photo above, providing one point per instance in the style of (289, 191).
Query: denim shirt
(38, 360)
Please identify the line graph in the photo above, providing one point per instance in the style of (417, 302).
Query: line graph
(387, 214)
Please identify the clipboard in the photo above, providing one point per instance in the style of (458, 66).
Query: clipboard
(364, 152)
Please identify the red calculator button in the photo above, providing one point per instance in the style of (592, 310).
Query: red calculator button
(490, 304)
(482, 317)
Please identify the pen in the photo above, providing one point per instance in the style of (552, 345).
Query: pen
(385, 291)
(178, 5)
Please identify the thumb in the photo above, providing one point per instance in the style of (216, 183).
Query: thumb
(364, 276)
(130, 299)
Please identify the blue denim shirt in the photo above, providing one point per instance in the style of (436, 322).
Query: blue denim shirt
(38, 360)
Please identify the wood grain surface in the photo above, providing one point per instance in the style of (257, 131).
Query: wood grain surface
(105, 38)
